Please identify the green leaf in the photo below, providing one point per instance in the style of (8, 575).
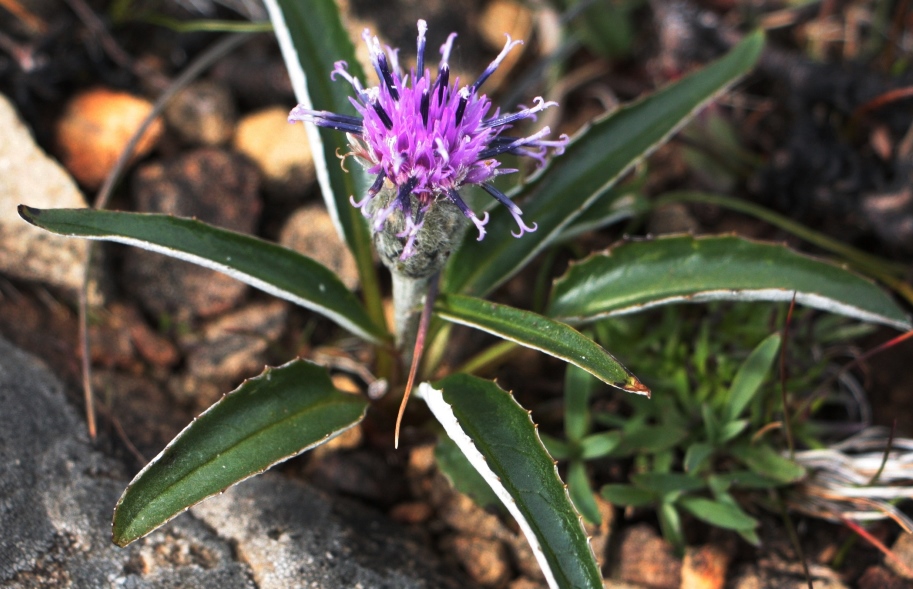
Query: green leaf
(731, 430)
(765, 461)
(578, 386)
(711, 423)
(722, 496)
(270, 267)
(599, 445)
(559, 449)
(744, 479)
(696, 455)
(650, 439)
(499, 439)
(627, 495)
(670, 523)
(618, 204)
(539, 333)
(750, 536)
(593, 162)
(641, 274)
(266, 420)
(716, 513)
(665, 483)
(607, 28)
(462, 475)
(312, 39)
(751, 375)
(578, 486)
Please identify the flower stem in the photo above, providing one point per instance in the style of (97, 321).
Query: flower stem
(408, 299)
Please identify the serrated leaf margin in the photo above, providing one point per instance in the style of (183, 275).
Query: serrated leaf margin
(263, 375)
(443, 412)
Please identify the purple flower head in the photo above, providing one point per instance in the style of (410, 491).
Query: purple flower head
(427, 138)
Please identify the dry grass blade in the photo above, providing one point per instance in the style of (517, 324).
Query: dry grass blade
(838, 488)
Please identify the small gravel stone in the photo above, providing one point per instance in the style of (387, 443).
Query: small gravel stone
(280, 150)
(94, 129)
(767, 573)
(154, 347)
(258, 78)
(523, 556)
(421, 459)
(672, 218)
(198, 393)
(890, 214)
(647, 559)
(204, 113)
(413, 512)
(484, 560)
(502, 17)
(600, 535)
(505, 16)
(524, 583)
(234, 346)
(462, 513)
(310, 231)
(903, 550)
(213, 186)
(704, 567)
(146, 412)
(878, 577)
(109, 340)
(358, 473)
(347, 440)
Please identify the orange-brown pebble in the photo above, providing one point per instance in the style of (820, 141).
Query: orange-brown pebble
(704, 567)
(413, 512)
(485, 561)
(95, 128)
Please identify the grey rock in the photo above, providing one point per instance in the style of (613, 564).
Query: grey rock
(56, 497)
(29, 176)
(57, 493)
(293, 537)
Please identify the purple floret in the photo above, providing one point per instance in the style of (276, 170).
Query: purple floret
(429, 138)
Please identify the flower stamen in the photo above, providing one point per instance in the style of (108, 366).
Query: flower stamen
(526, 113)
(372, 192)
(494, 64)
(514, 210)
(420, 49)
(464, 208)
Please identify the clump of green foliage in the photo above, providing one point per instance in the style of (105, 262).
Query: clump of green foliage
(715, 431)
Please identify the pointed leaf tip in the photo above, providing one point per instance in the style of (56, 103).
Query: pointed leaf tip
(28, 213)
(632, 385)
(266, 420)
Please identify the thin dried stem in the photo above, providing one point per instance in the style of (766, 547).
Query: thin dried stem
(199, 65)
